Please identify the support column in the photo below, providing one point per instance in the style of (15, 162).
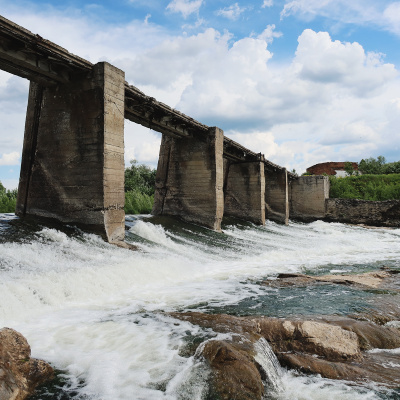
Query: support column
(73, 157)
(189, 180)
(277, 195)
(245, 191)
(307, 197)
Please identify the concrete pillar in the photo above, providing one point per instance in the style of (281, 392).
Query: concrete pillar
(189, 181)
(307, 197)
(73, 156)
(276, 195)
(244, 191)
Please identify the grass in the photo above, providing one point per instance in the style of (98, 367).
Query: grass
(366, 187)
(137, 202)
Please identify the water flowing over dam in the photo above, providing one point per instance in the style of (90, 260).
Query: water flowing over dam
(100, 314)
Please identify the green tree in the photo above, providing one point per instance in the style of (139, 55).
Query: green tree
(348, 167)
(2, 190)
(372, 165)
(140, 177)
(8, 200)
(139, 188)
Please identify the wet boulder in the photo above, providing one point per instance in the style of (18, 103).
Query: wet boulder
(331, 342)
(373, 279)
(19, 373)
(370, 335)
(334, 347)
(235, 373)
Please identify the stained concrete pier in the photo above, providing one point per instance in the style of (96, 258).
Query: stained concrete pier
(189, 180)
(244, 191)
(73, 154)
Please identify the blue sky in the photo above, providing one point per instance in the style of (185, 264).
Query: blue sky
(302, 81)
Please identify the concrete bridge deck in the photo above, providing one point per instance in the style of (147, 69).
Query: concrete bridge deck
(73, 158)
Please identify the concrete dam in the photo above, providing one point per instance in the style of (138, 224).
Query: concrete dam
(72, 167)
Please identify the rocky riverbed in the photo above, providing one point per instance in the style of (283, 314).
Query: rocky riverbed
(358, 348)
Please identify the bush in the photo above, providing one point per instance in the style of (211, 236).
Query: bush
(8, 200)
(138, 203)
(140, 178)
(366, 187)
(140, 183)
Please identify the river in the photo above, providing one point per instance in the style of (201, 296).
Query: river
(99, 314)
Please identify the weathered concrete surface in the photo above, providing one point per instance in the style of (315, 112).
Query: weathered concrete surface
(27, 55)
(72, 164)
(189, 180)
(276, 194)
(73, 157)
(19, 373)
(307, 197)
(244, 191)
(376, 213)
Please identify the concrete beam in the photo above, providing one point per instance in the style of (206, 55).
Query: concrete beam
(149, 112)
(244, 191)
(276, 194)
(73, 157)
(29, 56)
(189, 181)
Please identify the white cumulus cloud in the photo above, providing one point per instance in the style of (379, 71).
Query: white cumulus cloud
(329, 101)
(384, 14)
(10, 158)
(267, 3)
(185, 7)
(232, 12)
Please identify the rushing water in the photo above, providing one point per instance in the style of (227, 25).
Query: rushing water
(99, 314)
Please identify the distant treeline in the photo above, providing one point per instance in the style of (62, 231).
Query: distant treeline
(8, 199)
(378, 166)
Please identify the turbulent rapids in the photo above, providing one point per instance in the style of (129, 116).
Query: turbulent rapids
(101, 314)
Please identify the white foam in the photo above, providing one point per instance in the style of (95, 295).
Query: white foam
(93, 309)
(390, 351)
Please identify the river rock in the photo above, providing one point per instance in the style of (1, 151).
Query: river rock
(371, 280)
(370, 335)
(321, 338)
(380, 367)
(235, 374)
(19, 373)
(334, 347)
(331, 342)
